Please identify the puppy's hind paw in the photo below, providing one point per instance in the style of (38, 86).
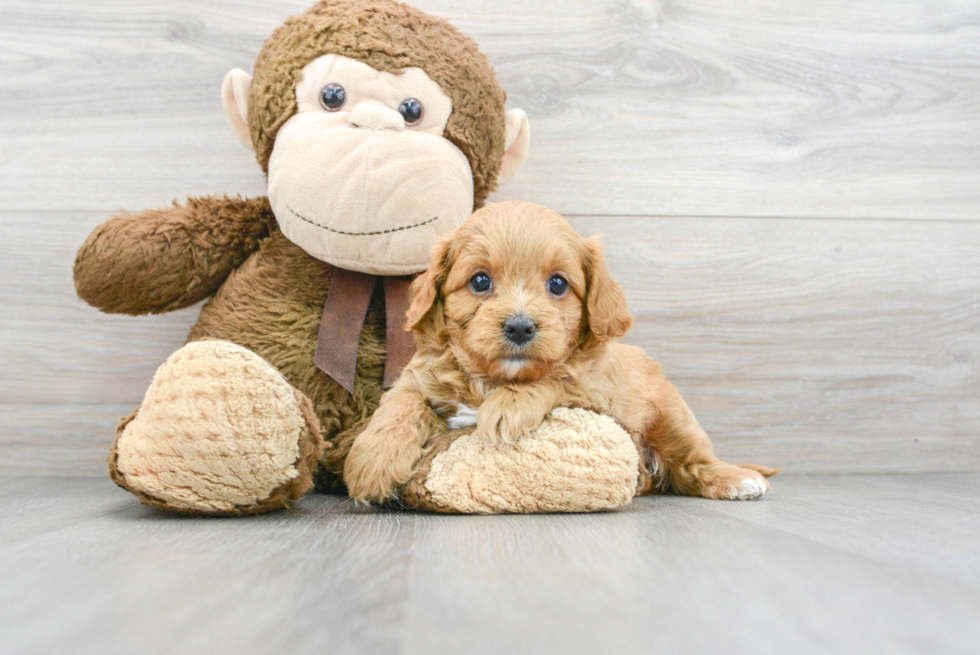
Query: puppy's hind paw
(728, 482)
(751, 488)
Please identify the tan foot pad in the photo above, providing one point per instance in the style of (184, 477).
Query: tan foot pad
(577, 461)
(220, 431)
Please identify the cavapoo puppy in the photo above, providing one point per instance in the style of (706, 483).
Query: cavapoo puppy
(515, 316)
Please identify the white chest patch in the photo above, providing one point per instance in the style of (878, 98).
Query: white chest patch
(465, 417)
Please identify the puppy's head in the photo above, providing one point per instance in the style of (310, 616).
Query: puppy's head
(514, 292)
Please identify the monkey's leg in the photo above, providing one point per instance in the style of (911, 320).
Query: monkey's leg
(220, 431)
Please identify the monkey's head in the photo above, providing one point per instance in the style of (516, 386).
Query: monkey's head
(380, 129)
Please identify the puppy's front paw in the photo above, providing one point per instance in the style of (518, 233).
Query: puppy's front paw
(504, 418)
(374, 470)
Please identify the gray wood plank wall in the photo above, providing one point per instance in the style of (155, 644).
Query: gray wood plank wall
(790, 193)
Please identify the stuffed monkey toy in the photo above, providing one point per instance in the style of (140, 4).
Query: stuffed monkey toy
(379, 129)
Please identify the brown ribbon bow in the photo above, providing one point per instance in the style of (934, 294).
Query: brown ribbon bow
(343, 317)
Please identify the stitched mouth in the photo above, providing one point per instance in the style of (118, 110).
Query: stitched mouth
(361, 234)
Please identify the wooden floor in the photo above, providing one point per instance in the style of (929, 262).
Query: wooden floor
(826, 564)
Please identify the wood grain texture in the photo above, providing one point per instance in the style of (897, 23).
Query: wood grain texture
(819, 346)
(684, 575)
(69, 372)
(694, 107)
(822, 565)
(324, 573)
(908, 521)
(30, 507)
(824, 345)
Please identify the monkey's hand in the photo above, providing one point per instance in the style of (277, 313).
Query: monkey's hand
(164, 259)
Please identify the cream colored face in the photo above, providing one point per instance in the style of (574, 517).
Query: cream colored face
(353, 183)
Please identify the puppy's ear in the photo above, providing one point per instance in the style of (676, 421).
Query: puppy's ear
(425, 288)
(605, 301)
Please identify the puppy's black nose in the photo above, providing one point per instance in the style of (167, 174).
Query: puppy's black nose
(520, 329)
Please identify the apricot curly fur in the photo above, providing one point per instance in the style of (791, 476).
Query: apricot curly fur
(463, 358)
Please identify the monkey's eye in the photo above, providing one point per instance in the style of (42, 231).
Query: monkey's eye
(333, 97)
(411, 110)
(557, 285)
(480, 283)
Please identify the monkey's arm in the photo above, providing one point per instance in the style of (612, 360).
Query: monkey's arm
(160, 260)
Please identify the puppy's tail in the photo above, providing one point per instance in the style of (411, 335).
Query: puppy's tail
(764, 470)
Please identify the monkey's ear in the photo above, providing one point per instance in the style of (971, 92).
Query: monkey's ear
(517, 140)
(234, 97)
(605, 300)
(425, 288)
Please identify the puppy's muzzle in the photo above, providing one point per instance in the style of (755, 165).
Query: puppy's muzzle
(520, 329)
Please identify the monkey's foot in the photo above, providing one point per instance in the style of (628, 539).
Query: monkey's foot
(220, 431)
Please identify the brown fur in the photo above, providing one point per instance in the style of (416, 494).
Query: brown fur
(386, 36)
(268, 294)
(272, 305)
(572, 361)
(165, 259)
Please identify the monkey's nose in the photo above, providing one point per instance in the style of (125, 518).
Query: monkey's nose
(520, 329)
(376, 117)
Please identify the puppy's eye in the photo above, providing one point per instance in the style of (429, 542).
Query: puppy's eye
(411, 110)
(333, 97)
(557, 285)
(480, 283)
